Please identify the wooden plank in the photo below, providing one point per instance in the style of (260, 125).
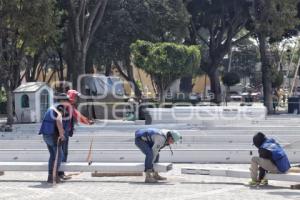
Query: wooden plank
(107, 174)
(293, 177)
(297, 186)
(84, 167)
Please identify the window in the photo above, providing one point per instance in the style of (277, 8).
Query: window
(25, 101)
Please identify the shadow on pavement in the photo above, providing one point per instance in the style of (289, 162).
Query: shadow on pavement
(210, 183)
(260, 187)
(286, 194)
(44, 184)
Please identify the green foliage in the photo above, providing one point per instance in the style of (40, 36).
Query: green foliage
(126, 21)
(165, 58)
(165, 62)
(34, 22)
(3, 97)
(277, 79)
(274, 17)
(139, 84)
(231, 78)
(24, 27)
(216, 23)
(244, 58)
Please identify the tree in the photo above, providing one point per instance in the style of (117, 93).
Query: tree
(272, 18)
(23, 28)
(230, 79)
(277, 79)
(215, 23)
(244, 57)
(165, 62)
(126, 21)
(84, 18)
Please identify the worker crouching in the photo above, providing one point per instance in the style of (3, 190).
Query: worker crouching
(272, 159)
(150, 141)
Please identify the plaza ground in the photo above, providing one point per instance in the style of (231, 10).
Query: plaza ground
(32, 185)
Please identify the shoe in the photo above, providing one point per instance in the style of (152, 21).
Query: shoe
(253, 183)
(64, 177)
(50, 179)
(149, 177)
(158, 177)
(58, 180)
(264, 182)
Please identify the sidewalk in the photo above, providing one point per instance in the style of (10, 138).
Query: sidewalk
(19, 185)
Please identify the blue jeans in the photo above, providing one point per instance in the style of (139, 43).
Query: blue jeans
(146, 148)
(52, 148)
(65, 151)
(65, 148)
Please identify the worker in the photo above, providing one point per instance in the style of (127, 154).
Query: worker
(71, 114)
(150, 141)
(272, 159)
(53, 135)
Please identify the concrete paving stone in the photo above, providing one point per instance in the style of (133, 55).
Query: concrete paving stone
(21, 185)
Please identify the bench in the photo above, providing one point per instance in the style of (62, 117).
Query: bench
(237, 173)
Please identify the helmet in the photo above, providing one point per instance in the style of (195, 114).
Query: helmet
(175, 135)
(72, 94)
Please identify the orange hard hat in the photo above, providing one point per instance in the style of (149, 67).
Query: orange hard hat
(72, 95)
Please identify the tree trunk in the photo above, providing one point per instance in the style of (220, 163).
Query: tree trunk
(161, 96)
(266, 71)
(215, 85)
(137, 91)
(129, 77)
(9, 105)
(227, 98)
(89, 66)
(78, 68)
(186, 84)
(108, 70)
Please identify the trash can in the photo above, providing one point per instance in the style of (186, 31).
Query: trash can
(294, 105)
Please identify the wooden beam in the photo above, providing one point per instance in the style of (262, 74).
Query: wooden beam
(107, 174)
(292, 177)
(84, 167)
(295, 186)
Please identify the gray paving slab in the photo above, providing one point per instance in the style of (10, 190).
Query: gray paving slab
(21, 185)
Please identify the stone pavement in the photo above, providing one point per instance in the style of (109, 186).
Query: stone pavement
(21, 185)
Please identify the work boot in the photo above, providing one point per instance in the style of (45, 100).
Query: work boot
(253, 183)
(149, 178)
(64, 177)
(50, 179)
(264, 182)
(57, 179)
(159, 177)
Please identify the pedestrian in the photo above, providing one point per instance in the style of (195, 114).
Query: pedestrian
(272, 159)
(71, 115)
(150, 141)
(53, 134)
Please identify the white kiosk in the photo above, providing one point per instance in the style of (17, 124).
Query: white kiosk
(32, 100)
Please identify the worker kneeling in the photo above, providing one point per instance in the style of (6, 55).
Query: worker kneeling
(150, 141)
(272, 158)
